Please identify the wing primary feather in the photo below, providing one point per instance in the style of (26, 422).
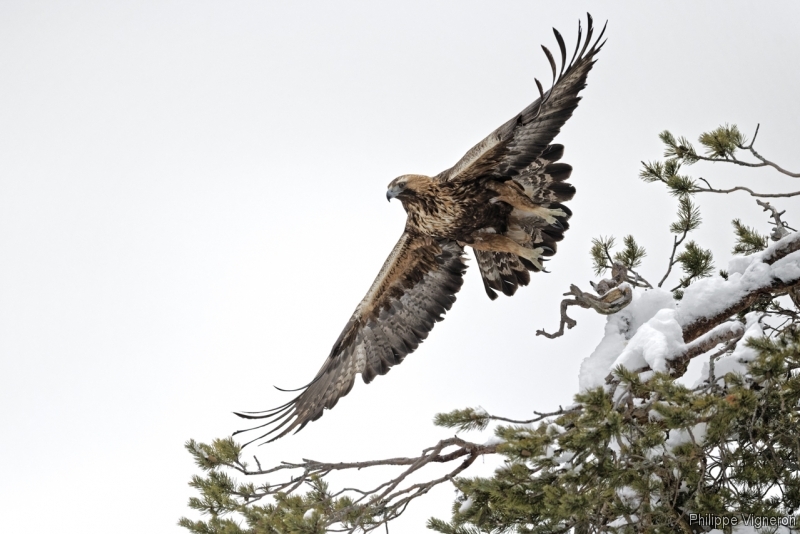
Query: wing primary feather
(268, 412)
(539, 86)
(272, 421)
(563, 48)
(262, 436)
(262, 415)
(589, 30)
(266, 423)
(577, 44)
(595, 46)
(552, 62)
(297, 389)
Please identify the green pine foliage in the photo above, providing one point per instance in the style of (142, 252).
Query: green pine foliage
(467, 419)
(748, 240)
(723, 142)
(236, 508)
(631, 256)
(677, 149)
(720, 144)
(645, 457)
(601, 253)
(667, 173)
(602, 258)
(688, 216)
(696, 262)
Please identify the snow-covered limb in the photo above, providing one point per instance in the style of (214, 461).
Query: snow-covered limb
(731, 331)
(709, 302)
(656, 332)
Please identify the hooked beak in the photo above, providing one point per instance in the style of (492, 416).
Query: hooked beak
(393, 192)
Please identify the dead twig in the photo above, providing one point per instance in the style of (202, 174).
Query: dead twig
(612, 296)
(780, 231)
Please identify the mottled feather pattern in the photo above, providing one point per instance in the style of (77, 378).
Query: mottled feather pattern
(386, 326)
(543, 180)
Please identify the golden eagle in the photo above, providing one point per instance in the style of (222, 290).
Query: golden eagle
(504, 199)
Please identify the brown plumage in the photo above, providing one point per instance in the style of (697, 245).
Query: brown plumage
(504, 199)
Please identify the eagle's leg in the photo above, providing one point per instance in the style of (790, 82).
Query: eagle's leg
(501, 243)
(519, 200)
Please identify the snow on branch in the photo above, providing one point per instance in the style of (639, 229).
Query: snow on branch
(654, 332)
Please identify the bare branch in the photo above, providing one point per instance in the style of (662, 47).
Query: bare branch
(388, 499)
(741, 188)
(765, 161)
(539, 416)
(565, 319)
(672, 261)
(611, 297)
(780, 231)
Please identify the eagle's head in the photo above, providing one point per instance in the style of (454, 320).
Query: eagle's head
(409, 187)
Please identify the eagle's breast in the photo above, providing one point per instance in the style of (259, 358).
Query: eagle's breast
(456, 211)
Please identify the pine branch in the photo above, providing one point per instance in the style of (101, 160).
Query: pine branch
(703, 324)
(478, 419)
(631, 256)
(371, 508)
(710, 189)
(675, 244)
(693, 332)
(688, 219)
(721, 145)
(696, 262)
(601, 253)
(748, 240)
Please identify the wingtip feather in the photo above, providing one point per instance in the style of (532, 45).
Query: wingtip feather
(539, 86)
(551, 60)
(563, 48)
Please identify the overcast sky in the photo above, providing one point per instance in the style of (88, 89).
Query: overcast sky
(192, 204)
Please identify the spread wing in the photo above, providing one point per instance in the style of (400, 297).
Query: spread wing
(518, 142)
(415, 287)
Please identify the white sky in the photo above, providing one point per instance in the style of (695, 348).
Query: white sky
(192, 204)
